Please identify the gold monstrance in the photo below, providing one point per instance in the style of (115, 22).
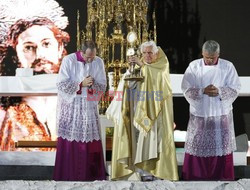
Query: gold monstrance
(135, 74)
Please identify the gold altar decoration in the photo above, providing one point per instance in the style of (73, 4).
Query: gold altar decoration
(108, 23)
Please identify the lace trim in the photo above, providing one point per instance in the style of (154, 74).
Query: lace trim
(78, 120)
(193, 93)
(68, 87)
(99, 87)
(194, 97)
(228, 94)
(96, 92)
(212, 136)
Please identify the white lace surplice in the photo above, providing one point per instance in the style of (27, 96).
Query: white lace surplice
(77, 115)
(210, 128)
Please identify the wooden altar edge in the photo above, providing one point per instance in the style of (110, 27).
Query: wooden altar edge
(52, 144)
(35, 144)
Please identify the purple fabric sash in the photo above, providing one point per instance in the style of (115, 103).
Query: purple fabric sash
(79, 57)
(78, 161)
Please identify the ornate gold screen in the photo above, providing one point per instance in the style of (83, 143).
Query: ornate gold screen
(108, 23)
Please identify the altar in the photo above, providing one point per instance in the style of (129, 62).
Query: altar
(45, 85)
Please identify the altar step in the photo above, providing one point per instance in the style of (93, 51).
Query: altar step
(18, 172)
(248, 160)
(40, 165)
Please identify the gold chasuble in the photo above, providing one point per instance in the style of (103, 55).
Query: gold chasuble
(143, 134)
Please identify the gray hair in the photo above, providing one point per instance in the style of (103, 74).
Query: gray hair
(88, 45)
(211, 47)
(148, 44)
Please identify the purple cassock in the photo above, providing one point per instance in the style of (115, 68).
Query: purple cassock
(79, 155)
(210, 139)
(208, 168)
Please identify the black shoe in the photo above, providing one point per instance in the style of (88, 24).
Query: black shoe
(147, 178)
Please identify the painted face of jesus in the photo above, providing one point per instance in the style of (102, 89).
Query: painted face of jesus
(38, 48)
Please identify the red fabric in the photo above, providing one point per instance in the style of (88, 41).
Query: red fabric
(80, 90)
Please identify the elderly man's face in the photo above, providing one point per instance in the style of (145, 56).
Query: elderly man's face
(37, 47)
(210, 59)
(148, 55)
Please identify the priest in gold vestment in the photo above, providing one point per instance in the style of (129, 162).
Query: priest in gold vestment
(143, 142)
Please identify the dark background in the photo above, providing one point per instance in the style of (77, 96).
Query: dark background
(182, 27)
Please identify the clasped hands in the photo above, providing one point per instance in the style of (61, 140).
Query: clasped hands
(88, 81)
(211, 91)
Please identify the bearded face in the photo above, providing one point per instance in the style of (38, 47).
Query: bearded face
(44, 66)
(38, 48)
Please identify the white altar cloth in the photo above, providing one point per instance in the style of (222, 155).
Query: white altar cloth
(35, 85)
(46, 85)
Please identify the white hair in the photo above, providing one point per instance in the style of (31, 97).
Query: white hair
(14, 10)
(149, 44)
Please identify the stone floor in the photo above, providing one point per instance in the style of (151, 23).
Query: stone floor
(243, 184)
